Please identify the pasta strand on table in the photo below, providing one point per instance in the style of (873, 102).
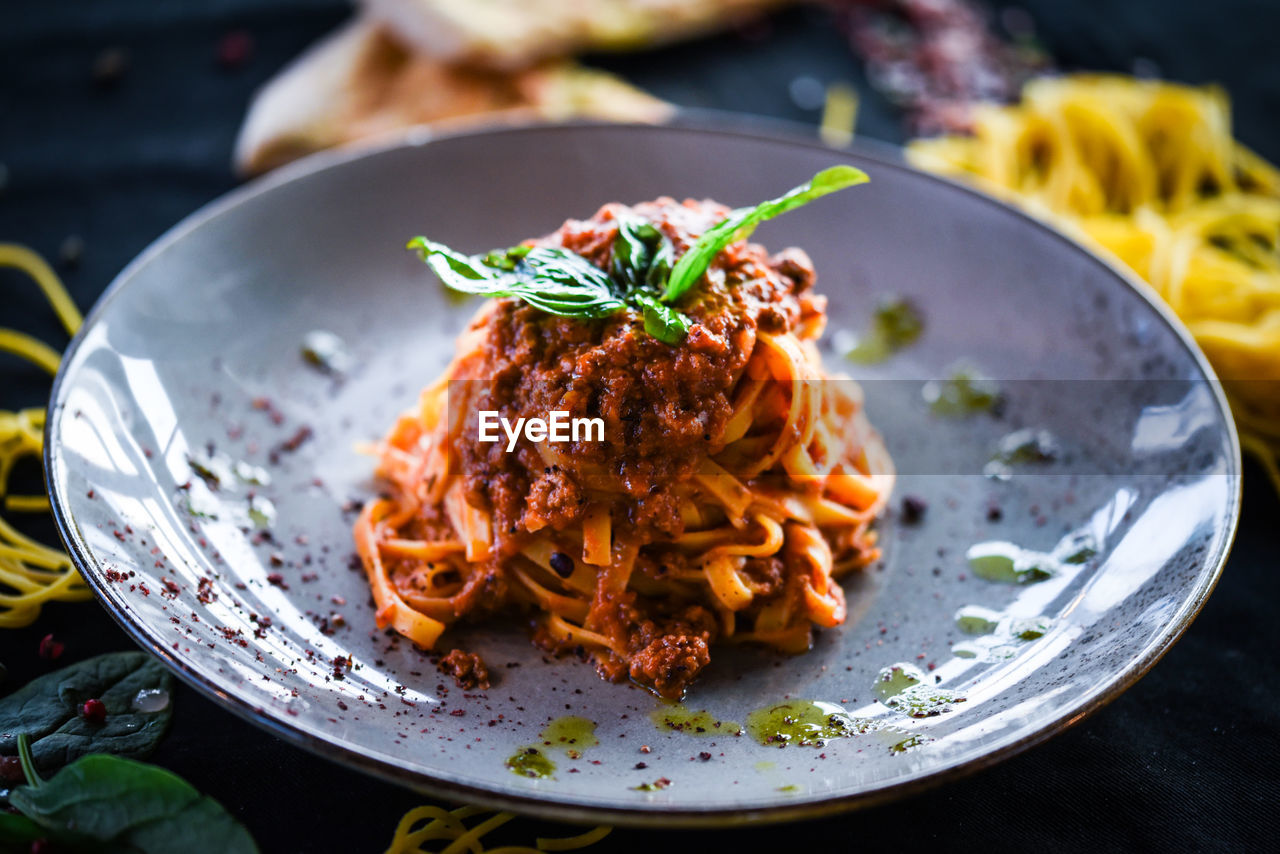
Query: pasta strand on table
(432, 824)
(31, 573)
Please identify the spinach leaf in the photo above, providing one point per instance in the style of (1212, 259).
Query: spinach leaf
(739, 224)
(48, 710)
(551, 279)
(15, 829)
(103, 802)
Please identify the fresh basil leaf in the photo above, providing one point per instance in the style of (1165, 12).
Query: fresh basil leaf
(48, 710)
(739, 224)
(551, 279)
(633, 251)
(662, 321)
(132, 806)
(505, 259)
(562, 282)
(458, 271)
(660, 266)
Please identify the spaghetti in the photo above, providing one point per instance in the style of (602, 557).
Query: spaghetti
(735, 485)
(1148, 173)
(31, 573)
(427, 824)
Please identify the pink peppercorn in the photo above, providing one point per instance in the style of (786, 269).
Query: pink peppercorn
(94, 711)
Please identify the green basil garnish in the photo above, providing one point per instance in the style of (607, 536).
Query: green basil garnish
(644, 273)
(739, 224)
(553, 280)
(662, 321)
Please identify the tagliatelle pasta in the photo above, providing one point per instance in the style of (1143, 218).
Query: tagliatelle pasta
(1148, 173)
(735, 483)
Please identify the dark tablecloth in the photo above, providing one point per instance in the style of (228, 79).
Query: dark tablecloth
(1186, 760)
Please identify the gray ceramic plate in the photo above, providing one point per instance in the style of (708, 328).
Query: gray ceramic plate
(198, 343)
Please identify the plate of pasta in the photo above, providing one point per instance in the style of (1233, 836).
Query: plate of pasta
(551, 468)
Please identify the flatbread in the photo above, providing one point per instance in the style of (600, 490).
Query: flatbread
(363, 84)
(514, 33)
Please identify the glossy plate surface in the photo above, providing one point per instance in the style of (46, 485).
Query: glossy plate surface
(197, 346)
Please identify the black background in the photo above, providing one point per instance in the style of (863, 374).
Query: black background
(1186, 760)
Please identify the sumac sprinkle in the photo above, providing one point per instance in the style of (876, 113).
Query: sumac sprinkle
(93, 711)
(562, 564)
(913, 507)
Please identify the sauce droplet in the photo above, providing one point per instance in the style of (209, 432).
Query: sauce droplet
(529, 762)
(808, 723)
(1009, 564)
(903, 688)
(965, 392)
(1021, 447)
(896, 324)
(327, 351)
(570, 733)
(975, 620)
(677, 717)
(895, 679)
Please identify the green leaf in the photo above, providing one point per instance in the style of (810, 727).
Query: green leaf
(16, 829)
(202, 826)
(662, 321)
(454, 269)
(128, 805)
(29, 771)
(633, 251)
(739, 224)
(660, 266)
(48, 710)
(551, 279)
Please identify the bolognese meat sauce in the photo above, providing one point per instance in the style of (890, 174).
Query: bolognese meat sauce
(664, 409)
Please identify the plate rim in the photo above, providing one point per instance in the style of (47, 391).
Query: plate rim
(695, 122)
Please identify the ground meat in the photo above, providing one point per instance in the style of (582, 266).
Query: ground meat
(485, 592)
(467, 669)
(767, 573)
(664, 410)
(663, 407)
(670, 663)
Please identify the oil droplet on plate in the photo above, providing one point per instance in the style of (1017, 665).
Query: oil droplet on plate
(570, 733)
(529, 762)
(1009, 564)
(676, 717)
(808, 723)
